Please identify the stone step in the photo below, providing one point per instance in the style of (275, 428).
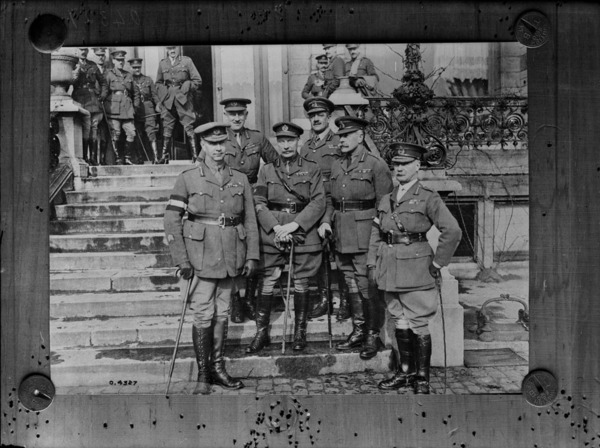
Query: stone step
(103, 331)
(131, 224)
(110, 209)
(137, 181)
(114, 280)
(173, 168)
(145, 366)
(109, 242)
(119, 195)
(79, 261)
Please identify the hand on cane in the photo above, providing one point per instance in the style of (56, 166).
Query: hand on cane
(186, 270)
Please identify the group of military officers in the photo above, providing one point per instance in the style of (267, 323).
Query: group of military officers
(228, 220)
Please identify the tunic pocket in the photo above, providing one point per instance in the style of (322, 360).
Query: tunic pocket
(240, 247)
(413, 265)
(199, 202)
(114, 107)
(193, 234)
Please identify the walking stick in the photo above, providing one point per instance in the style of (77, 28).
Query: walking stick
(438, 284)
(326, 253)
(287, 299)
(137, 132)
(183, 308)
(109, 128)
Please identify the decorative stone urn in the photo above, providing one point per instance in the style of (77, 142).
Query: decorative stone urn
(345, 95)
(61, 73)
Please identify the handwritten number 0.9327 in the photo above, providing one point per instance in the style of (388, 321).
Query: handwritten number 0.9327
(122, 383)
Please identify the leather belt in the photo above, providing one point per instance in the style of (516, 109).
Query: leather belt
(326, 176)
(221, 221)
(351, 206)
(288, 207)
(402, 238)
(170, 83)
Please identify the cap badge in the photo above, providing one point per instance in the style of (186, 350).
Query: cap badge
(285, 128)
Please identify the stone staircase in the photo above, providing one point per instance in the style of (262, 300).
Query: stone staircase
(115, 301)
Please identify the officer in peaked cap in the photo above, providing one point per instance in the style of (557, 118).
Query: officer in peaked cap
(361, 71)
(404, 267)
(217, 242)
(146, 114)
(244, 149)
(290, 200)
(336, 69)
(176, 81)
(359, 180)
(315, 84)
(120, 106)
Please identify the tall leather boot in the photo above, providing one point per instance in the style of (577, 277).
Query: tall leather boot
(129, 151)
(164, 160)
(218, 374)
(194, 147)
(344, 309)
(249, 299)
(263, 314)
(375, 317)
(320, 307)
(301, 302)
(237, 315)
(93, 152)
(118, 159)
(202, 339)
(154, 146)
(103, 145)
(86, 145)
(422, 344)
(357, 336)
(405, 374)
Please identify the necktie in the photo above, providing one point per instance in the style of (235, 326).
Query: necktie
(238, 139)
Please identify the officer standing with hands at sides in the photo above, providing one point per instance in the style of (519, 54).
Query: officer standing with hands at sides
(402, 263)
(103, 131)
(358, 182)
(120, 106)
(316, 81)
(336, 69)
(216, 241)
(290, 201)
(244, 149)
(145, 115)
(90, 90)
(176, 81)
(323, 147)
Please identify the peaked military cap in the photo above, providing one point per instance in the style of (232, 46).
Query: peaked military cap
(348, 124)
(99, 51)
(321, 57)
(349, 46)
(135, 62)
(318, 104)
(285, 129)
(83, 48)
(405, 152)
(213, 132)
(326, 46)
(118, 54)
(235, 103)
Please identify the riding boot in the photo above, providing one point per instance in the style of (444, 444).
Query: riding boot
(357, 336)
(154, 146)
(164, 160)
(103, 145)
(422, 344)
(301, 302)
(218, 374)
(86, 145)
(118, 159)
(129, 151)
(320, 307)
(93, 148)
(344, 309)
(263, 312)
(375, 317)
(249, 299)
(405, 374)
(202, 339)
(237, 315)
(194, 148)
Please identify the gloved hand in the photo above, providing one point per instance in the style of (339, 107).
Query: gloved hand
(434, 271)
(158, 108)
(372, 277)
(324, 230)
(249, 268)
(186, 270)
(360, 82)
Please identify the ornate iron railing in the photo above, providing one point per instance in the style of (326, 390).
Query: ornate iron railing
(459, 122)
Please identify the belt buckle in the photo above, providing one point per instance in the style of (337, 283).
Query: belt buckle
(390, 237)
(292, 208)
(221, 221)
(405, 240)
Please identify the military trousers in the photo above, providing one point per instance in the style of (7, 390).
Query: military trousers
(306, 264)
(186, 114)
(211, 299)
(126, 125)
(89, 126)
(354, 269)
(416, 308)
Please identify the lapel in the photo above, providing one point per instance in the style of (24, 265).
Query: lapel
(358, 157)
(410, 194)
(227, 175)
(208, 175)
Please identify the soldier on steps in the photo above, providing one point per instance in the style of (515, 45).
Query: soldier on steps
(216, 241)
(402, 263)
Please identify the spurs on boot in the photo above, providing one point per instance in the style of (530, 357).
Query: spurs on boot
(357, 336)
(300, 317)
(371, 346)
(202, 339)
(237, 316)
(405, 374)
(422, 344)
(263, 314)
(218, 374)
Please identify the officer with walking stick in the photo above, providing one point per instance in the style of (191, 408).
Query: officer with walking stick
(402, 263)
(216, 241)
(290, 200)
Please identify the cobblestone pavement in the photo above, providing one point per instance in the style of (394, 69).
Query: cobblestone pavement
(458, 380)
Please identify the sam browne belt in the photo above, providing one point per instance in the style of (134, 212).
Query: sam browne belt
(221, 221)
(288, 207)
(391, 237)
(351, 206)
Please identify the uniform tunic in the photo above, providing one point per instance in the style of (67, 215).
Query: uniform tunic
(334, 72)
(314, 85)
(122, 96)
(148, 101)
(214, 252)
(89, 86)
(365, 68)
(323, 151)
(246, 157)
(304, 177)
